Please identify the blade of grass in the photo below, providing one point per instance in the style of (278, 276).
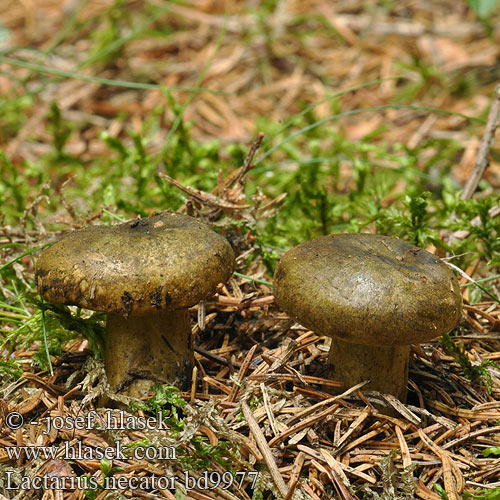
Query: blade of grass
(19, 257)
(257, 280)
(10, 316)
(353, 112)
(203, 72)
(113, 46)
(308, 161)
(309, 108)
(68, 25)
(15, 309)
(30, 253)
(45, 342)
(114, 216)
(496, 276)
(488, 293)
(103, 81)
(473, 282)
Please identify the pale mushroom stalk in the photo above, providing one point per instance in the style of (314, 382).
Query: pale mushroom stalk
(375, 296)
(386, 367)
(131, 341)
(145, 274)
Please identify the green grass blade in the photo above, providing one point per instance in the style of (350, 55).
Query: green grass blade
(19, 257)
(257, 280)
(353, 112)
(309, 108)
(103, 81)
(202, 74)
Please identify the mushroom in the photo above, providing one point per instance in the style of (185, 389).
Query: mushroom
(374, 295)
(144, 274)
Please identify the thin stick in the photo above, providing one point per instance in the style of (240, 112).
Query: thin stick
(482, 160)
(247, 164)
(201, 196)
(243, 371)
(267, 406)
(353, 427)
(215, 358)
(194, 379)
(403, 446)
(295, 474)
(264, 449)
(302, 425)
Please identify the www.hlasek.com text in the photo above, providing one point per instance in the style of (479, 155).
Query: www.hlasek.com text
(80, 451)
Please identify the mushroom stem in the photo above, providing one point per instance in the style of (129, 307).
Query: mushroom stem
(141, 350)
(385, 366)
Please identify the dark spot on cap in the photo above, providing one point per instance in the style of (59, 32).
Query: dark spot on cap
(127, 302)
(168, 299)
(155, 298)
(280, 273)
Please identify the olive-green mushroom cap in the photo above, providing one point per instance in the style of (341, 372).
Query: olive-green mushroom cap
(368, 289)
(163, 262)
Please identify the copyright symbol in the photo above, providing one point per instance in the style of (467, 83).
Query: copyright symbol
(14, 420)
